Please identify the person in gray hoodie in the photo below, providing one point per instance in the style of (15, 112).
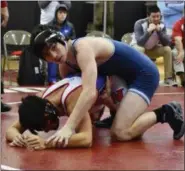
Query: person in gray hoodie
(150, 37)
(61, 23)
(47, 9)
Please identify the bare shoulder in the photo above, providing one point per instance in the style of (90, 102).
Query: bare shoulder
(72, 99)
(94, 42)
(83, 41)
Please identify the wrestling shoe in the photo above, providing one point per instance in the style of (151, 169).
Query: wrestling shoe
(174, 117)
(105, 123)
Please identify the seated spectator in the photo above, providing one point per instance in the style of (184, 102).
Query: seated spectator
(48, 9)
(150, 38)
(171, 12)
(178, 51)
(61, 23)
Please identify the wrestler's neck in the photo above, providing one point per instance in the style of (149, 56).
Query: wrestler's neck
(69, 51)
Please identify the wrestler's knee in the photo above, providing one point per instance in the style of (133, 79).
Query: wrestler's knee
(122, 135)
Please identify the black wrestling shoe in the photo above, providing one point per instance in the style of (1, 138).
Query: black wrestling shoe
(105, 123)
(175, 118)
(5, 107)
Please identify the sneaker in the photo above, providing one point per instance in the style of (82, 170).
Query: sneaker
(176, 121)
(183, 84)
(169, 82)
(105, 123)
(5, 107)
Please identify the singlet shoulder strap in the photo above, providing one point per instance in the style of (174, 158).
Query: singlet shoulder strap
(73, 48)
(74, 83)
(73, 66)
(55, 86)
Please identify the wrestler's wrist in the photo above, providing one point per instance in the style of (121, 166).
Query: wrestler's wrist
(69, 126)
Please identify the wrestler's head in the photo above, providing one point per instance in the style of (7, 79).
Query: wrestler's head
(48, 44)
(37, 114)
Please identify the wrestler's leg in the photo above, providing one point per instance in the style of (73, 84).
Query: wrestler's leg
(132, 121)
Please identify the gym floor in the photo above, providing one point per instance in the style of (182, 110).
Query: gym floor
(156, 150)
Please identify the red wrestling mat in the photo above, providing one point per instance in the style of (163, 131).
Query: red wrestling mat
(155, 151)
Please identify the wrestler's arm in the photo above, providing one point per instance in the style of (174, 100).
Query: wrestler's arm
(14, 130)
(83, 135)
(88, 66)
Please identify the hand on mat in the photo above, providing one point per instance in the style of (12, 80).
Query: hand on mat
(18, 141)
(61, 137)
(35, 142)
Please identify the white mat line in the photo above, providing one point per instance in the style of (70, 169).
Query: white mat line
(4, 167)
(12, 103)
(24, 90)
(9, 91)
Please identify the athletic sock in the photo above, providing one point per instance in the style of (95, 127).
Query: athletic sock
(163, 113)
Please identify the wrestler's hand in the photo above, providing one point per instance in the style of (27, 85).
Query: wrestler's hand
(61, 137)
(35, 142)
(104, 95)
(18, 141)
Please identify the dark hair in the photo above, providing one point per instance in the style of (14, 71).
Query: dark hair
(43, 34)
(153, 9)
(31, 113)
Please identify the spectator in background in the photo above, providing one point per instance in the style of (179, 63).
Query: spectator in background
(150, 38)
(61, 24)
(4, 21)
(178, 51)
(171, 12)
(48, 9)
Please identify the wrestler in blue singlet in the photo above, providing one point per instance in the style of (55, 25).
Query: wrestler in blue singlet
(139, 72)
